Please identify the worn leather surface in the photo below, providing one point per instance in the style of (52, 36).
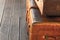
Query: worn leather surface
(51, 8)
(45, 31)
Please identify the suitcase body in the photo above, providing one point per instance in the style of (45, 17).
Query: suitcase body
(44, 31)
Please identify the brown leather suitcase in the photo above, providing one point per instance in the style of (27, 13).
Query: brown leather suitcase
(44, 31)
(49, 7)
(40, 29)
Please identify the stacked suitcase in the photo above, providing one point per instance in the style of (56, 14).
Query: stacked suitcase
(52, 7)
(49, 7)
(45, 27)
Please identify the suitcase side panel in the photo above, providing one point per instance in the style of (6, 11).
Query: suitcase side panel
(39, 32)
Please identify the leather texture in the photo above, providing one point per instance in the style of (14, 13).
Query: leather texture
(51, 8)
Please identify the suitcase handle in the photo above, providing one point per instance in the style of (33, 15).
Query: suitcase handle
(53, 37)
(47, 37)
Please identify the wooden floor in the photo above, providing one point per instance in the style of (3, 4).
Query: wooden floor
(13, 25)
(2, 3)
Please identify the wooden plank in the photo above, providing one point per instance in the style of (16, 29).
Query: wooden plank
(2, 3)
(10, 21)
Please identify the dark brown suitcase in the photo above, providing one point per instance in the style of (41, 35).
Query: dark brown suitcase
(49, 7)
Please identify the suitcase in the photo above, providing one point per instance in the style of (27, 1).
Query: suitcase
(44, 31)
(39, 29)
(49, 7)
